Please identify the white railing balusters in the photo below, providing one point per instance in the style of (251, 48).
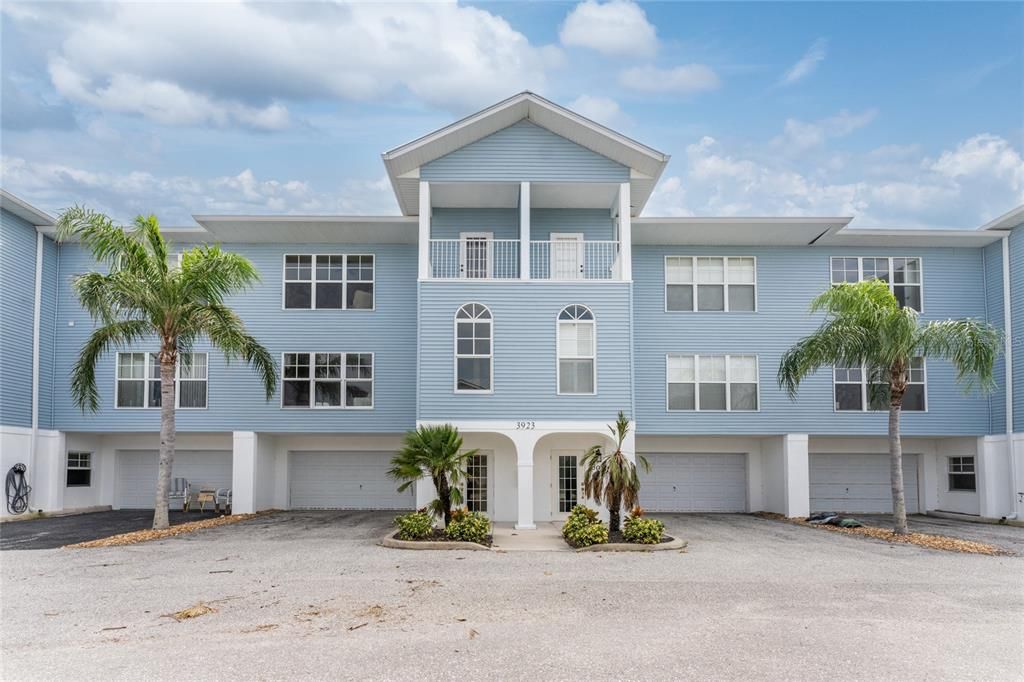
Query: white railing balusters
(485, 258)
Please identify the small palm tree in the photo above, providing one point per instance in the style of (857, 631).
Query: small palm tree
(865, 326)
(142, 296)
(435, 451)
(610, 478)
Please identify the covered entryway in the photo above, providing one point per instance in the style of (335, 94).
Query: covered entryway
(859, 484)
(137, 473)
(694, 483)
(345, 480)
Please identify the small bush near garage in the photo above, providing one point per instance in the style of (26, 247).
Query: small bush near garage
(583, 528)
(469, 527)
(417, 525)
(641, 530)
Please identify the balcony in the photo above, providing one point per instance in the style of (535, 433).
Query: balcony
(483, 258)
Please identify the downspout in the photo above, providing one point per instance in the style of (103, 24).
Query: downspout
(36, 321)
(1008, 365)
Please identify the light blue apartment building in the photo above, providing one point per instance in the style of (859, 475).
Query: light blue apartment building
(521, 296)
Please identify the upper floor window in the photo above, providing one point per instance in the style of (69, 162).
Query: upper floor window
(576, 350)
(711, 382)
(328, 281)
(138, 380)
(858, 389)
(710, 283)
(961, 474)
(474, 349)
(327, 380)
(903, 275)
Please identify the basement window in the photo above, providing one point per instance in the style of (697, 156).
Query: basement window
(962, 476)
(79, 472)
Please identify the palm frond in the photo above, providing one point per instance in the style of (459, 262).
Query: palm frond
(113, 335)
(227, 332)
(972, 346)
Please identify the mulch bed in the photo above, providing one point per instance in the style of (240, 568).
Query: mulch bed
(135, 537)
(439, 536)
(927, 540)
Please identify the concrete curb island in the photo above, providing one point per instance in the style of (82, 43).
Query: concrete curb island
(673, 543)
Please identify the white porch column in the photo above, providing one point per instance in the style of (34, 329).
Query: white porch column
(524, 230)
(424, 233)
(243, 472)
(993, 475)
(425, 492)
(525, 444)
(625, 233)
(796, 469)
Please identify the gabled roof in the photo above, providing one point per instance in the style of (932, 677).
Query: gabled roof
(1007, 221)
(646, 164)
(24, 210)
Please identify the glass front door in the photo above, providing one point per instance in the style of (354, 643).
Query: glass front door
(476, 484)
(567, 484)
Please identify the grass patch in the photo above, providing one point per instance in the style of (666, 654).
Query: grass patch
(135, 537)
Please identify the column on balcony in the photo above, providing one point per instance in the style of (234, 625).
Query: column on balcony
(424, 233)
(623, 212)
(524, 230)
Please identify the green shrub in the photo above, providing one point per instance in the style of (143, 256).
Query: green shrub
(417, 525)
(583, 528)
(641, 530)
(469, 527)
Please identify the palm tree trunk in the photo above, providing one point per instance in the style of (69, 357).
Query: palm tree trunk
(168, 359)
(614, 516)
(899, 504)
(444, 494)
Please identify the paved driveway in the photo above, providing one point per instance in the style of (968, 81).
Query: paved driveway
(57, 531)
(308, 594)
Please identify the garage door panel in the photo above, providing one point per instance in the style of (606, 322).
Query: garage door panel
(137, 472)
(859, 483)
(695, 483)
(345, 480)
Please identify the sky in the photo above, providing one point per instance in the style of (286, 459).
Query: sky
(898, 114)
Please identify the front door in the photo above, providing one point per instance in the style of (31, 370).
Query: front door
(566, 255)
(476, 490)
(475, 255)
(565, 482)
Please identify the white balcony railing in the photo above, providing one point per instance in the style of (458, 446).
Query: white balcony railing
(485, 258)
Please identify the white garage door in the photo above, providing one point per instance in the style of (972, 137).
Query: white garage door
(695, 483)
(345, 480)
(859, 484)
(137, 472)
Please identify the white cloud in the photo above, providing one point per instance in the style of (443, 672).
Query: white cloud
(983, 155)
(604, 110)
(688, 78)
(617, 28)
(244, 62)
(800, 136)
(807, 64)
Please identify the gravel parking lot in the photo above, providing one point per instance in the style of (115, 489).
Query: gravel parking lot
(310, 594)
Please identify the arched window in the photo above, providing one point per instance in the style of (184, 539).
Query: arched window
(577, 346)
(474, 353)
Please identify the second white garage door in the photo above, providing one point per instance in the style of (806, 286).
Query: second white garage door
(859, 484)
(695, 483)
(345, 480)
(137, 473)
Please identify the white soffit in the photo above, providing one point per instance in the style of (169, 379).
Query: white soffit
(1007, 221)
(312, 229)
(734, 231)
(573, 194)
(25, 210)
(474, 195)
(909, 237)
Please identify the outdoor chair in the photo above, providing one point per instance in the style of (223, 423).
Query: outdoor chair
(180, 490)
(222, 500)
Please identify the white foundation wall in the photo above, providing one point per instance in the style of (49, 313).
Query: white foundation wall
(45, 468)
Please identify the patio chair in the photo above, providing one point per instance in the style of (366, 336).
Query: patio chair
(180, 490)
(222, 500)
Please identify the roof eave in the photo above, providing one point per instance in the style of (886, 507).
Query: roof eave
(25, 210)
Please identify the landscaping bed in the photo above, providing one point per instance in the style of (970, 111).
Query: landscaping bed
(466, 530)
(584, 532)
(926, 540)
(135, 537)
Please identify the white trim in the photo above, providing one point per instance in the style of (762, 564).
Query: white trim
(425, 217)
(343, 381)
(24, 210)
(865, 398)
(558, 348)
(1008, 340)
(456, 355)
(695, 284)
(524, 230)
(344, 281)
(36, 323)
(728, 381)
(892, 284)
(625, 232)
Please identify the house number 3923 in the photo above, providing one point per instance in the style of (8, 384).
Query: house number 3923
(526, 426)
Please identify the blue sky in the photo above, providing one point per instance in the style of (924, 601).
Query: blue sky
(900, 114)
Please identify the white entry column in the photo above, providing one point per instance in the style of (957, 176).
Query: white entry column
(525, 444)
(253, 469)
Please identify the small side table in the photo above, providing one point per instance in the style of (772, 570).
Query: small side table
(206, 495)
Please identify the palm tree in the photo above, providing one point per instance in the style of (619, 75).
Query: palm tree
(865, 326)
(610, 478)
(435, 451)
(142, 296)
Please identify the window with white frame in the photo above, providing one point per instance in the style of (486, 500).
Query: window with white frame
(858, 390)
(476, 483)
(327, 380)
(962, 476)
(139, 386)
(711, 382)
(710, 283)
(902, 274)
(474, 349)
(328, 282)
(577, 347)
(79, 470)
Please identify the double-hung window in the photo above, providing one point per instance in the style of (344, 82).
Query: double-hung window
(711, 382)
(327, 380)
(961, 474)
(859, 389)
(79, 471)
(474, 349)
(328, 282)
(902, 274)
(138, 380)
(577, 350)
(710, 283)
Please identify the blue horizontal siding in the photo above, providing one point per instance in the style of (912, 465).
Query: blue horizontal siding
(450, 223)
(236, 398)
(594, 224)
(17, 304)
(1017, 322)
(788, 278)
(992, 262)
(524, 151)
(525, 363)
(47, 332)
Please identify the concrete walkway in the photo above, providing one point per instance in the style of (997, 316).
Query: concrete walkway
(547, 537)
